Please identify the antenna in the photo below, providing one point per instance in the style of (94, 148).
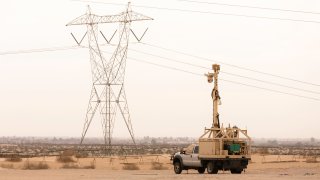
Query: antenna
(108, 92)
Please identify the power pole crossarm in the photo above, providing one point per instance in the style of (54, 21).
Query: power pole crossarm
(123, 17)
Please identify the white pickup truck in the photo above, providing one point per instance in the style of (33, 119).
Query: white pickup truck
(188, 159)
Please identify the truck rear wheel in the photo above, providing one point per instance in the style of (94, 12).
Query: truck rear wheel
(236, 171)
(211, 169)
(177, 167)
(201, 170)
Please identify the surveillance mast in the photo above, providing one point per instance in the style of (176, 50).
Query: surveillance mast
(215, 94)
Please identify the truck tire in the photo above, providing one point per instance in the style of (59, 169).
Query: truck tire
(201, 170)
(211, 169)
(177, 167)
(236, 171)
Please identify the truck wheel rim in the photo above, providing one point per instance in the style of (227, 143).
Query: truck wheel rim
(210, 168)
(176, 167)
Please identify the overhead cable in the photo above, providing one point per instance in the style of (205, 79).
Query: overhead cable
(226, 80)
(251, 7)
(203, 12)
(231, 65)
(225, 72)
(26, 51)
(155, 64)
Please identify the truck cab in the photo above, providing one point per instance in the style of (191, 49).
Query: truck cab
(188, 158)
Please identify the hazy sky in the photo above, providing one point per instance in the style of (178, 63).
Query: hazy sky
(46, 94)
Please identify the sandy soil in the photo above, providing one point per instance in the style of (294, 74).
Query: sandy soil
(261, 167)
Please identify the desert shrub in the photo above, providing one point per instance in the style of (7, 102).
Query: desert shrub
(68, 152)
(91, 166)
(82, 155)
(76, 166)
(14, 159)
(70, 166)
(264, 151)
(170, 151)
(158, 166)
(35, 166)
(7, 166)
(130, 166)
(311, 159)
(65, 159)
(66, 156)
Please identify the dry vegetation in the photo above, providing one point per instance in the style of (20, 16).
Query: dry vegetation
(65, 159)
(70, 166)
(311, 159)
(77, 166)
(7, 166)
(14, 159)
(66, 156)
(82, 155)
(35, 166)
(155, 167)
(267, 163)
(158, 166)
(91, 166)
(130, 166)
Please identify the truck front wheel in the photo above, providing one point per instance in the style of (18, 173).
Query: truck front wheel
(211, 169)
(177, 167)
(201, 170)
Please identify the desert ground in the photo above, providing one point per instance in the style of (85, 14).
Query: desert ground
(151, 167)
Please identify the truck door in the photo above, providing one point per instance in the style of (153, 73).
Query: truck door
(187, 156)
(187, 159)
(195, 157)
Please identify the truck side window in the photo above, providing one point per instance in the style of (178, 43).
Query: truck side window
(196, 150)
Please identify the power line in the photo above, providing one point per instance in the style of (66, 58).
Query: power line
(252, 7)
(170, 59)
(160, 65)
(204, 12)
(230, 81)
(165, 66)
(272, 90)
(231, 65)
(273, 83)
(228, 73)
(155, 64)
(26, 51)
(77, 47)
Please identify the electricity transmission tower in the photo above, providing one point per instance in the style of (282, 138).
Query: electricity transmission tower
(108, 92)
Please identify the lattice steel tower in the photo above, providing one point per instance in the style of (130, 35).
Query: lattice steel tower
(108, 93)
